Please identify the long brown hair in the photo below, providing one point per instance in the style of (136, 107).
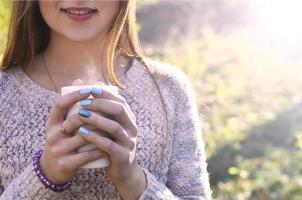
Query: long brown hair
(29, 35)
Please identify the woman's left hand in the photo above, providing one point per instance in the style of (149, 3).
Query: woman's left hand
(124, 170)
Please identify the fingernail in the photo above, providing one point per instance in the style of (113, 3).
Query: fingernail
(85, 91)
(84, 113)
(86, 102)
(96, 91)
(83, 131)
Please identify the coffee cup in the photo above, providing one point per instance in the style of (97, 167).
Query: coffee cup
(101, 162)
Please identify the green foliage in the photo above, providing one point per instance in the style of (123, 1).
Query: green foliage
(276, 177)
(247, 100)
(4, 13)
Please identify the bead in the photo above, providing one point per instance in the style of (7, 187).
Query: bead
(47, 183)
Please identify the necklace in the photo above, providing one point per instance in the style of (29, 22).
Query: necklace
(43, 62)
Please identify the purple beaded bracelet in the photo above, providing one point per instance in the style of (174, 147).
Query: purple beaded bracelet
(48, 184)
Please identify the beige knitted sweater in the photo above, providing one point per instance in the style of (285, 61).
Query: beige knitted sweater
(170, 147)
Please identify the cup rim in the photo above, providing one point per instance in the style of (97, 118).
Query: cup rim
(78, 87)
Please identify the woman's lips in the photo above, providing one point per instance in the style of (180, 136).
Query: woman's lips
(79, 13)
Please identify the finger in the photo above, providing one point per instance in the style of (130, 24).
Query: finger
(63, 103)
(112, 108)
(68, 145)
(54, 134)
(106, 94)
(116, 151)
(77, 160)
(72, 144)
(71, 125)
(113, 128)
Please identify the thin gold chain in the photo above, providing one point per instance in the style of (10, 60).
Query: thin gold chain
(43, 62)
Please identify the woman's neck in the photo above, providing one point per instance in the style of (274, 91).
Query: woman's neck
(74, 59)
(69, 60)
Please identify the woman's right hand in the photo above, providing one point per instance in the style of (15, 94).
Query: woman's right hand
(60, 160)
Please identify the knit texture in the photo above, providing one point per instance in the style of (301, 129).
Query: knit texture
(170, 148)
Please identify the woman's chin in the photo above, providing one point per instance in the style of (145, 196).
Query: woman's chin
(81, 36)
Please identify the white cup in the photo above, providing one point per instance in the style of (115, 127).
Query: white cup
(101, 162)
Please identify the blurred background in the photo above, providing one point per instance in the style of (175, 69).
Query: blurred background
(244, 59)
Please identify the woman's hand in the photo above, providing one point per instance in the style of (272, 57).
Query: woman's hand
(59, 160)
(122, 130)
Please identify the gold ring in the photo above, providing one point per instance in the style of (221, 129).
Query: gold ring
(62, 129)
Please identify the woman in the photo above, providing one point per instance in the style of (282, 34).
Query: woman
(153, 135)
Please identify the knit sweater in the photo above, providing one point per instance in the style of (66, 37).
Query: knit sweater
(170, 148)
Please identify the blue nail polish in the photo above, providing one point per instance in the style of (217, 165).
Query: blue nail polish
(96, 91)
(85, 91)
(83, 131)
(84, 113)
(86, 102)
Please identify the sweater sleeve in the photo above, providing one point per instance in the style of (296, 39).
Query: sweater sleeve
(187, 176)
(2, 87)
(27, 186)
